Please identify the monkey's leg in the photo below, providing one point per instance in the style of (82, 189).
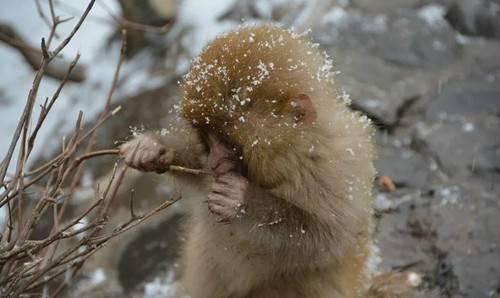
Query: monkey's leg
(351, 275)
(317, 284)
(201, 277)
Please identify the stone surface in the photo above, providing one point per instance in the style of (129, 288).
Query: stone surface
(475, 17)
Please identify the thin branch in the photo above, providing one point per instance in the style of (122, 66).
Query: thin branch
(42, 14)
(135, 221)
(28, 265)
(46, 109)
(73, 32)
(127, 24)
(24, 120)
(184, 170)
(132, 212)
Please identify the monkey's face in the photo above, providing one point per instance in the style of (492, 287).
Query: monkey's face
(248, 141)
(222, 156)
(254, 90)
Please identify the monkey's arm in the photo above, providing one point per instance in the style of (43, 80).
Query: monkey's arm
(188, 148)
(151, 152)
(266, 221)
(275, 224)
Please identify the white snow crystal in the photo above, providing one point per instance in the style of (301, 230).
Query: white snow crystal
(97, 277)
(337, 16)
(432, 14)
(161, 288)
(468, 127)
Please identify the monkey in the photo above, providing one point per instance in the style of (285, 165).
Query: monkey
(287, 210)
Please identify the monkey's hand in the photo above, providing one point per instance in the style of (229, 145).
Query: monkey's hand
(147, 153)
(227, 198)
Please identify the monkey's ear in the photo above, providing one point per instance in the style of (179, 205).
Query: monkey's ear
(303, 109)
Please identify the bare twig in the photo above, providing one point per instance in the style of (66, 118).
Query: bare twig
(42, 14)
(63, 44)
(47, 107)
(27, 265)
(26, 115)
(173, 168)
(128, 24)
(132, 212)
(33, 56)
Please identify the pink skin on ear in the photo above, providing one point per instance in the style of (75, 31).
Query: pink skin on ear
(303, 109)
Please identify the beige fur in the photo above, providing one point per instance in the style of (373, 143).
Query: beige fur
(307, 227)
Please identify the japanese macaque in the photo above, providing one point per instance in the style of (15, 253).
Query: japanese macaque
(287, 211)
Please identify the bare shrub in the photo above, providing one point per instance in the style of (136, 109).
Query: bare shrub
(46, 266)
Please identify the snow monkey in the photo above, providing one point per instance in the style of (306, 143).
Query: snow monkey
(287, 211)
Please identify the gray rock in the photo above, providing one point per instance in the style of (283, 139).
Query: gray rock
(375, 86)
(385, 6)
(467, 230)
(414, 41)
(418, 40)
(154, 250)
(471, 99)
(397, 160)
(464, 147)
(475, 17)
(462, 126)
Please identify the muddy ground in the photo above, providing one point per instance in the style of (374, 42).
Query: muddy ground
(432, 86)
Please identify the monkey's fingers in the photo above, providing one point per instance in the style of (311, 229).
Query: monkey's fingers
(219, 210)
(232, 179)
(217, 199)
(220, 188)
(165, 160)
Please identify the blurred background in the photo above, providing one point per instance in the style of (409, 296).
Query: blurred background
(427, 72)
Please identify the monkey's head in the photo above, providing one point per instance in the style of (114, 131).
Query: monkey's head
(264, 92)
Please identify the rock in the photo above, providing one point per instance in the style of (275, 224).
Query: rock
(422, 40)
(468, 98)
(384, 6)
(416, 42)
(463, 147)
(405, 241)
(462, 126)
(381, 95)
(468, 232)
(397, 160)
(480, 57)
(154, 250)
(475, 17)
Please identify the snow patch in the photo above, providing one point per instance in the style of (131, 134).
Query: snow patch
(161, 288)
(337, 16)
(87, 96)
(432, 14)
(97, 277)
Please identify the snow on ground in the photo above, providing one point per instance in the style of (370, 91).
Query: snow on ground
(433, 14)
(161, 287)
